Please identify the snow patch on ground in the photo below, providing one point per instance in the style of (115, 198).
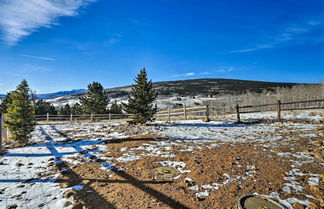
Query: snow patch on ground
(202, 195)
(77, 187)
(286, 202)
(307, 115)
(21, 168)
(20, 181)
(314, 181)
(83, 142)
(175, 164)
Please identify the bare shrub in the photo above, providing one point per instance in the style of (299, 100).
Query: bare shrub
(295, 94)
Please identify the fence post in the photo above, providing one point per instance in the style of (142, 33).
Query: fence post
(169, 114)
(185, 112)
(1, 123)
(109, 116)
(5, 131)
(238, 113)
(91, 117)
(71, 117)
(207, 113)
(278, 110)
(47, 118)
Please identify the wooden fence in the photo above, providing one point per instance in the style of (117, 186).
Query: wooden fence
(46, 119)
(1, 131)
(185, 113)
(279, 107)
(207, 112)
(4, 132)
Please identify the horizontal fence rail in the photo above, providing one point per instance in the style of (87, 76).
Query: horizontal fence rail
(185, 113)
(207, 112)
(82, 118)
(279, 107)
(1, 131)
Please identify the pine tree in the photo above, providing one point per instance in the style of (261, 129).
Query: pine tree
(42, 108)
(65, 110)
(96, 101)
(115, 108)
(5, 102)
(141, 98)
(76, 109)
(20, 117)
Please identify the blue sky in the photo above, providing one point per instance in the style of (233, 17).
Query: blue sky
(66, 44)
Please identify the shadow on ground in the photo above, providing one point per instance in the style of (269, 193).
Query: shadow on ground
(90, 199)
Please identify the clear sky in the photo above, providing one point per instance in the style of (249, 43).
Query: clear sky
(66, 44)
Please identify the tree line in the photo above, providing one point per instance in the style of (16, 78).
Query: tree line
(295, 93)
(21, 105)
(96, 102)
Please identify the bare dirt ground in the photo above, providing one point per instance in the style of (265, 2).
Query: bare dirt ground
(180, 164)
(287, 164)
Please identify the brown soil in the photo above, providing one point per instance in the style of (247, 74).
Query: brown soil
(136, 187)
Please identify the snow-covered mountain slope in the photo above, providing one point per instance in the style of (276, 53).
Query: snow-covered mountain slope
(185, 92)
(55, 94)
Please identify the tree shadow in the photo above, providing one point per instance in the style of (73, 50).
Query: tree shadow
(122, 140)
(158, 195)
(208, 125)
(89, 198)
(128, 178)
(132, 180)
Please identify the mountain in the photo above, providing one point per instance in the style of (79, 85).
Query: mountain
(214, 86)
(55, 94)
(59, 93)
(194, 87)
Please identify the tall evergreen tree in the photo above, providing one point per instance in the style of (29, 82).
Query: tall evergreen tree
(76, 109)
(96, 101)
(115, 108)
(20, 117)
(141, 98)
(65, 110)
(5, 102)
(42, 108)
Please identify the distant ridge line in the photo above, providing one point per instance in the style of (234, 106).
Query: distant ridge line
(186, 87)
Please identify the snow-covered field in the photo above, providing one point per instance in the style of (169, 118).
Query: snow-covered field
(21, 184)
(296, 115)
(28, 175)
(162, 103)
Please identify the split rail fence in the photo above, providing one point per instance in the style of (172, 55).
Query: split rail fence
(54, 119)
(280, 107)
(207, 113)
(186, 113)
(46, 119)
(1, 132)
(4, 132)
